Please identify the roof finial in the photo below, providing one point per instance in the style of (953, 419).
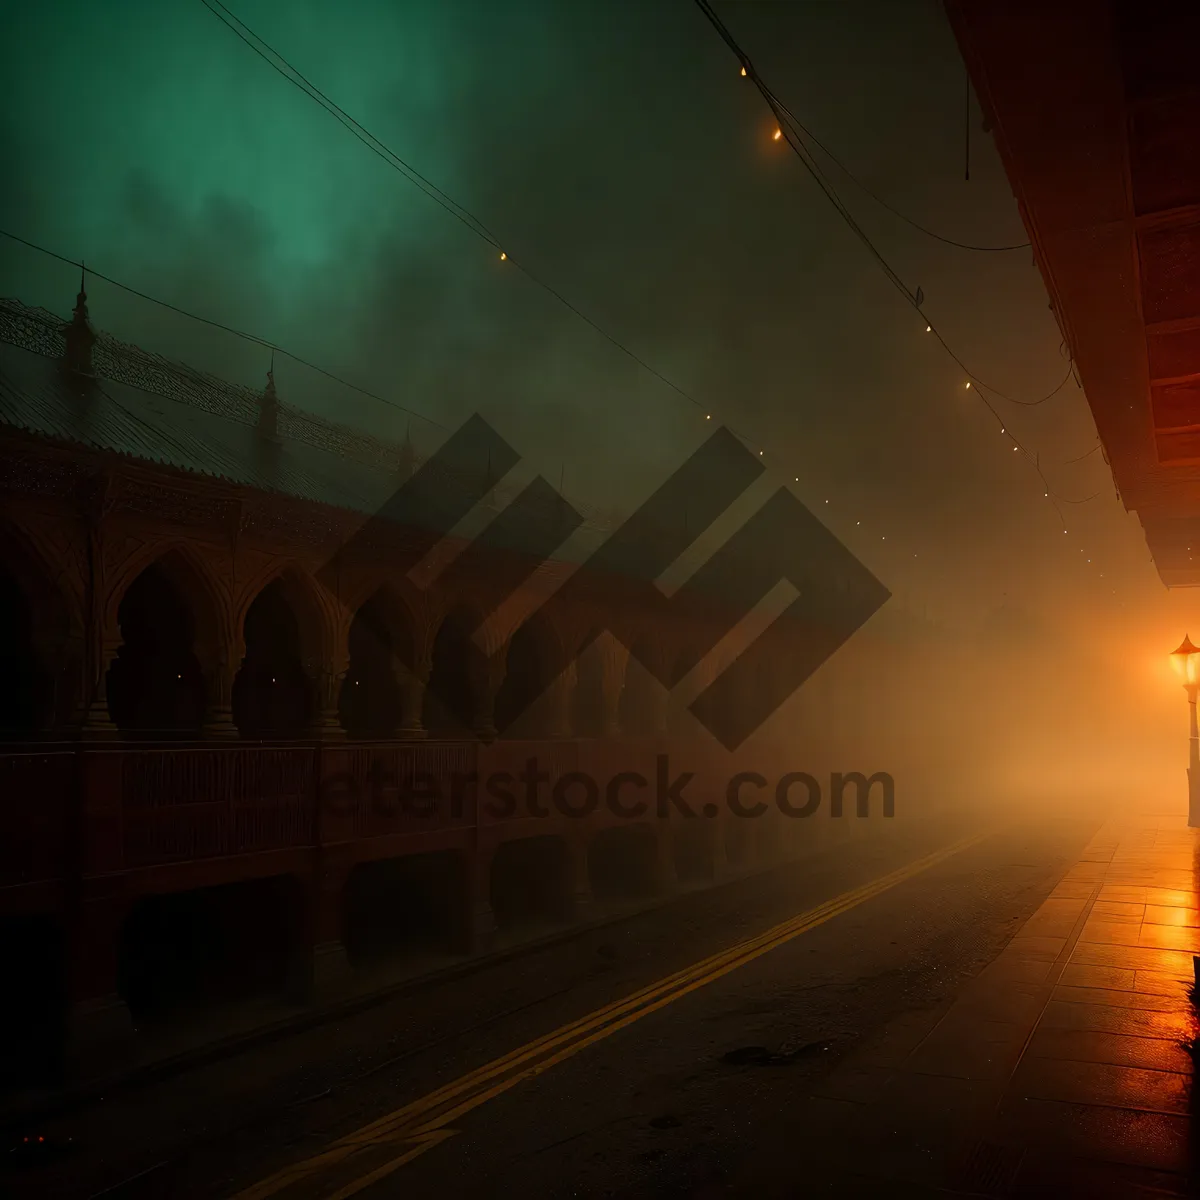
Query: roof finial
(79, 335)
(81, 312)
(268, 405)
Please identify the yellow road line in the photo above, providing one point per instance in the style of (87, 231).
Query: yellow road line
(405, 1123)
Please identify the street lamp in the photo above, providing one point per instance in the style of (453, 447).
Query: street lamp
(1186, 661)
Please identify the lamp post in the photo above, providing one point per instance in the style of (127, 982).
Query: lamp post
(1186, 661)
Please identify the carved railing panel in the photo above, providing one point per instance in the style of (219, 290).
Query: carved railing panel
(204, 803)
(392, 788)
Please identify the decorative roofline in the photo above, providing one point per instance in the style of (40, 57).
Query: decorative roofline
(41, 332)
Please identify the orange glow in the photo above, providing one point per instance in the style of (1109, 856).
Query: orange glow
(743, 71)
(1186, 661)
(777, 134)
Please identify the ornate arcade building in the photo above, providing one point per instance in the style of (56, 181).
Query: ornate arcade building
(207, 727)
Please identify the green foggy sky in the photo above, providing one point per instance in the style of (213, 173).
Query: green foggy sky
(617, 153)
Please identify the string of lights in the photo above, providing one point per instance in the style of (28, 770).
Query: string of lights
(469, 221)
(281, 65)
(267, 344)
(788, 129)
(808, 134)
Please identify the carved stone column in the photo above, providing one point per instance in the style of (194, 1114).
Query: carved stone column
(413, 681)
(219, 678)
(486, 685)
(327, 680)
(98, 722)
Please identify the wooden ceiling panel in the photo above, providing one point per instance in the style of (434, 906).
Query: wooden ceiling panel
(1095, 107)
(1170, 272)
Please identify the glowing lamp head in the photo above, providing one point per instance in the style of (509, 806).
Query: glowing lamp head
(1186, 661)
(777, 135)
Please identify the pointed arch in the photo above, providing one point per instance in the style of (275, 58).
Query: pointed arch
(313, 608)
(169, 614)
(381, 644)
(287, 634)
(530, 655)
(40, 620)
(452, 692)
(191, 576)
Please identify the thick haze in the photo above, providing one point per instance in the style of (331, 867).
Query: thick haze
(615, 151)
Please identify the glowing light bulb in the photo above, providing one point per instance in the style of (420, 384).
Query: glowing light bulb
(1016, 448)
(777, 135)
(503, 256)
(928, 328)
(968, 385)
(708, 416)
(743, 72)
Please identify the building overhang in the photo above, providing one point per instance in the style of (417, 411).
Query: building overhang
(1095, 107)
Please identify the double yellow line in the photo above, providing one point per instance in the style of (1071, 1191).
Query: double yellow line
(422, 1124)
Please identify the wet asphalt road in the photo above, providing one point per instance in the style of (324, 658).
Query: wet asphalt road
(665, 1096)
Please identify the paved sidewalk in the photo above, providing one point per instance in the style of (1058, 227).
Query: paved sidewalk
(1059, 1071)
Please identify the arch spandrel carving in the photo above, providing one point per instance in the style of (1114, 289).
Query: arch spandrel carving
(203, 589)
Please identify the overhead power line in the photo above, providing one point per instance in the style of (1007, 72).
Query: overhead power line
(281, 65)
(788, 129)
(480, 229)
(253, 338)
(807, 133)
